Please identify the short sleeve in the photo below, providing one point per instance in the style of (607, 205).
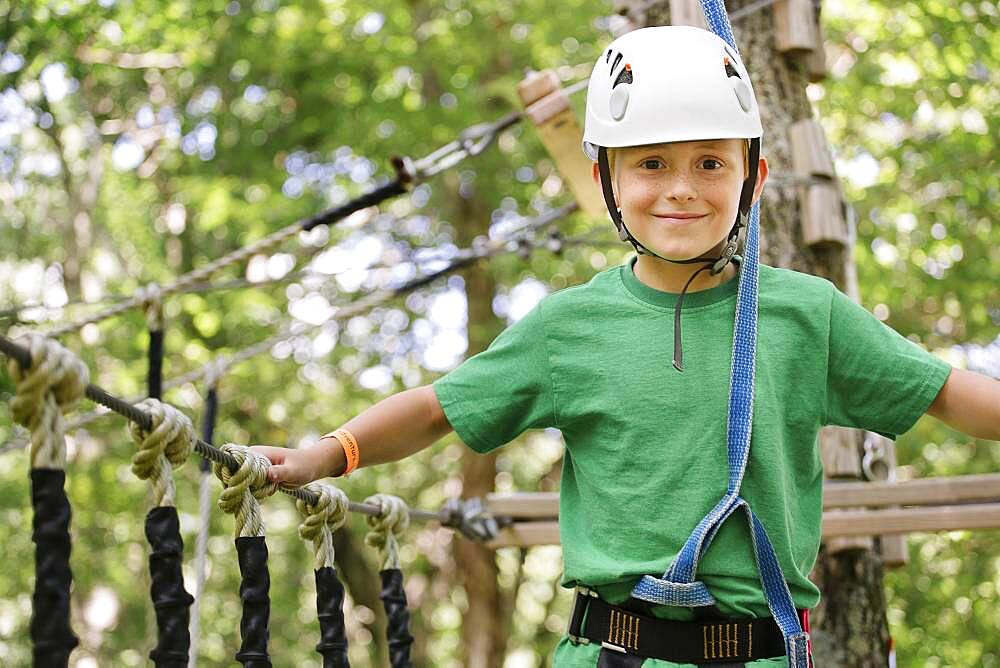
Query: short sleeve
(492, 397)
(876, 379)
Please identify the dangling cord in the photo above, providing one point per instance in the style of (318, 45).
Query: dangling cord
(43, 393)
(678, 349)
(204, 515)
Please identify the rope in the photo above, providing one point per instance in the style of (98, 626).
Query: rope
(514, 242)
(392, 520)
(167, 445)
(200, 561)
(321, 519)
(244, 488)
(204, 515)
(470, 142)
(46, 388)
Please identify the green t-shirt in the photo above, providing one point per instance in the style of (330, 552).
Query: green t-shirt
(645, 455)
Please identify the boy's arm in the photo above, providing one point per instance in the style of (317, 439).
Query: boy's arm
(392, 429)
(970, 403)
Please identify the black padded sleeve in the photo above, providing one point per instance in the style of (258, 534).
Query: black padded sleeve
(252, 553)
(52, 637)
(171, 601)
(397, 616)
(330, 608)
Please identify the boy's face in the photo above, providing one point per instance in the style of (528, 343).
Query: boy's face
(680, 199)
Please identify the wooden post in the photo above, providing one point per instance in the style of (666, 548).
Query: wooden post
(548, 106)
(839, 452)
(892, 547)
(795, 27)
(815, 60)
(687, 13)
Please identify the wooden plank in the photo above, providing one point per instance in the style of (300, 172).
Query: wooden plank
(527, 534)
(531, 505)
(907, 520)
(922, 491)
(835, 523)
(536, 85)
(919, 492)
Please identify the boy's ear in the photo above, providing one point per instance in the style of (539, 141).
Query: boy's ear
(761, 179)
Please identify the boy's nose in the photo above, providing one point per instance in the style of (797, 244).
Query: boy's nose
(680, 188)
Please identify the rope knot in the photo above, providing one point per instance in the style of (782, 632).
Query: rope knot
(54, 384)
(150, 297)
(244, 487)
(322, 519)
(392, 520)
(166, 446)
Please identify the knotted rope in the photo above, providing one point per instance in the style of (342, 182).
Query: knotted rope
(392, 521)
(56, 380)
(167, 446)
(321, 519)
(150, 298)
(244, 488)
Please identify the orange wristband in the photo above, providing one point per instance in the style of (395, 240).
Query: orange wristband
(350, 446)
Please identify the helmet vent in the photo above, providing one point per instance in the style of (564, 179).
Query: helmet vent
(625, 76)
(730, 70)
(614, 65)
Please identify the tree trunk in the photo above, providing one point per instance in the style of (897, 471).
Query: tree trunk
(484, 628)
(849, 627)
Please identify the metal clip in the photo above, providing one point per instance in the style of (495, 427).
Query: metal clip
(875, 464)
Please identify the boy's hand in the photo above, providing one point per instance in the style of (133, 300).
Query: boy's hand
(294, 467)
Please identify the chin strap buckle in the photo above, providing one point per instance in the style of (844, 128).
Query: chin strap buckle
(727, 255)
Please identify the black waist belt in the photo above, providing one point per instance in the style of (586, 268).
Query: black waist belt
(699, 642)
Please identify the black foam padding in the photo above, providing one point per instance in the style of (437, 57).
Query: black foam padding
(52, 638)
(254, 586)
(330, 610)
(397, 617)
(154, 375)
(171, 601)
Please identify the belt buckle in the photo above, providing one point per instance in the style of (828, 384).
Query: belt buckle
(580, 605)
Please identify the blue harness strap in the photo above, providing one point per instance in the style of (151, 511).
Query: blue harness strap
(678, 586)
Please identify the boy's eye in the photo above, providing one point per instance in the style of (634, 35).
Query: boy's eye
(652, 163)
(711, 164)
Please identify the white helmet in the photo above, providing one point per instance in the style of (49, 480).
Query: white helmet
(667, 84)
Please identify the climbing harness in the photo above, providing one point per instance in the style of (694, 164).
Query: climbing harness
(678, 586)
(387, 526)
(626, 630)
(319, 522)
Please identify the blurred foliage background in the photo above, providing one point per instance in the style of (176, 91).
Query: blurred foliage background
(140, 139)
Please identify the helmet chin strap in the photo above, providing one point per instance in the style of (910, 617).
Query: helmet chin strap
(714, 264)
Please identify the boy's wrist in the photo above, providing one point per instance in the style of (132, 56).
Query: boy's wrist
(333, 459)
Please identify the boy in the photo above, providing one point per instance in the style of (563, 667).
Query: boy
(674, 129)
